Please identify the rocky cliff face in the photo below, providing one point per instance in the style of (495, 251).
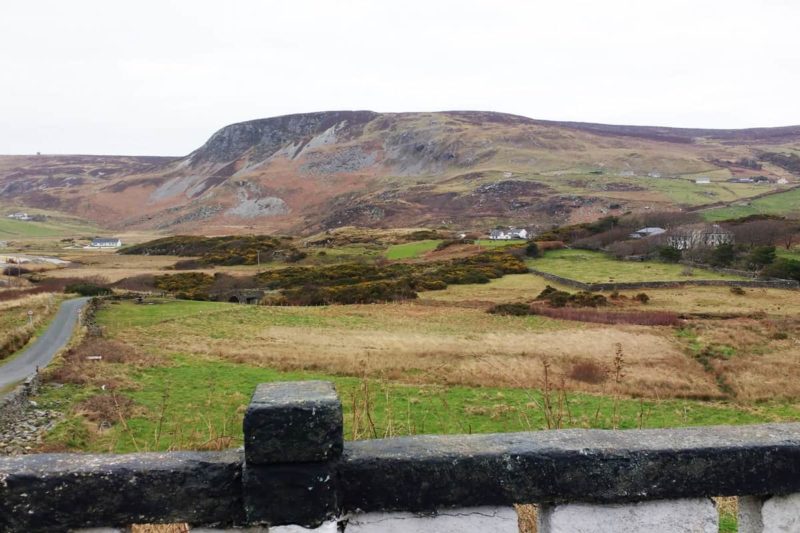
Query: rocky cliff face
(260, 139)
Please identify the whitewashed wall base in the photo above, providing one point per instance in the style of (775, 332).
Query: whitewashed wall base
(777, 514)
(483, 519)
(328, 527)
(664, 516)
(237, 530)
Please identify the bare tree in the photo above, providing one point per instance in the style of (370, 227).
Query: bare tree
(762, 232)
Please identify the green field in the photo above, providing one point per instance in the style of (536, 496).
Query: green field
(18, 229)
(186, 399)
(410, 250)
(687, 192)
(597, 267)
(488, 243)
(190, 403)
(793, 253)
(776, 204)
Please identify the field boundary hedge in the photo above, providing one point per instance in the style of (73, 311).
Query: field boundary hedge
(634, 285)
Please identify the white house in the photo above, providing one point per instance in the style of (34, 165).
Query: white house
(105, 243)
(690, 237)
(646, 232)
(20, 216)
(507, 235)
(703, 180)
(782, 181)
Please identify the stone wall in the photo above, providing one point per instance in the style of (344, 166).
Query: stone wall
(296, 472)
(620, 286)
(13, 404)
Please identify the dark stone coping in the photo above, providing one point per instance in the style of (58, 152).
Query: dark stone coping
(293, 422)
(56, 492)
(427, 472)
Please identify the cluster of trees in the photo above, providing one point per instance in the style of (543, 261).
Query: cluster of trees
(763, 259)
(753, 240)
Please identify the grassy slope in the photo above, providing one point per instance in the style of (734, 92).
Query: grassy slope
(596, 267)
(412, 250)
(55, 226)
(776, 204)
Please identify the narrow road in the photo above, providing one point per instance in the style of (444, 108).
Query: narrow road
(41, 352)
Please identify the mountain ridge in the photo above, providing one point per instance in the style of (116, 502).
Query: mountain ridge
(308, 172)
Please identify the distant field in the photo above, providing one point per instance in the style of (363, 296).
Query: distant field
(410, 250)
(488, 243)
(597, 267)
(775, 204)
(17, 229)
(685, 191)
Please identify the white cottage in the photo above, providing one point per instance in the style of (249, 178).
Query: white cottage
(106, 243)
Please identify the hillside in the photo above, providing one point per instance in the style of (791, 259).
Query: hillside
(467, 170)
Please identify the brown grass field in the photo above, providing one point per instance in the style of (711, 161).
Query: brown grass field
(446, 337)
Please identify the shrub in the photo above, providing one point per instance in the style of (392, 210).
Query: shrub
(553, 296)
(452, 242)
(532, 250)
(737, 291)
(423, 235)
(761, 256)
(227, 250)
(295, 256)
(588, 372)
(430, 285)
(511, 309)
(642, 298)
(87, 289)
(783, 268)
(557, 298)
(723, 255)
(587, 299)
(142, 282)
(669, 254)
(185, 286)
(480, 268)
(359, 293)
(188, 264)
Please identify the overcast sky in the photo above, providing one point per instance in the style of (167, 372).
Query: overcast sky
(159, 77)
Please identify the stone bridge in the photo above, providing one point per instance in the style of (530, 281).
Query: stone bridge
(241, 296)
(296, 472)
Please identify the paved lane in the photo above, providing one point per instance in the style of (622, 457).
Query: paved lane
(41, 352)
